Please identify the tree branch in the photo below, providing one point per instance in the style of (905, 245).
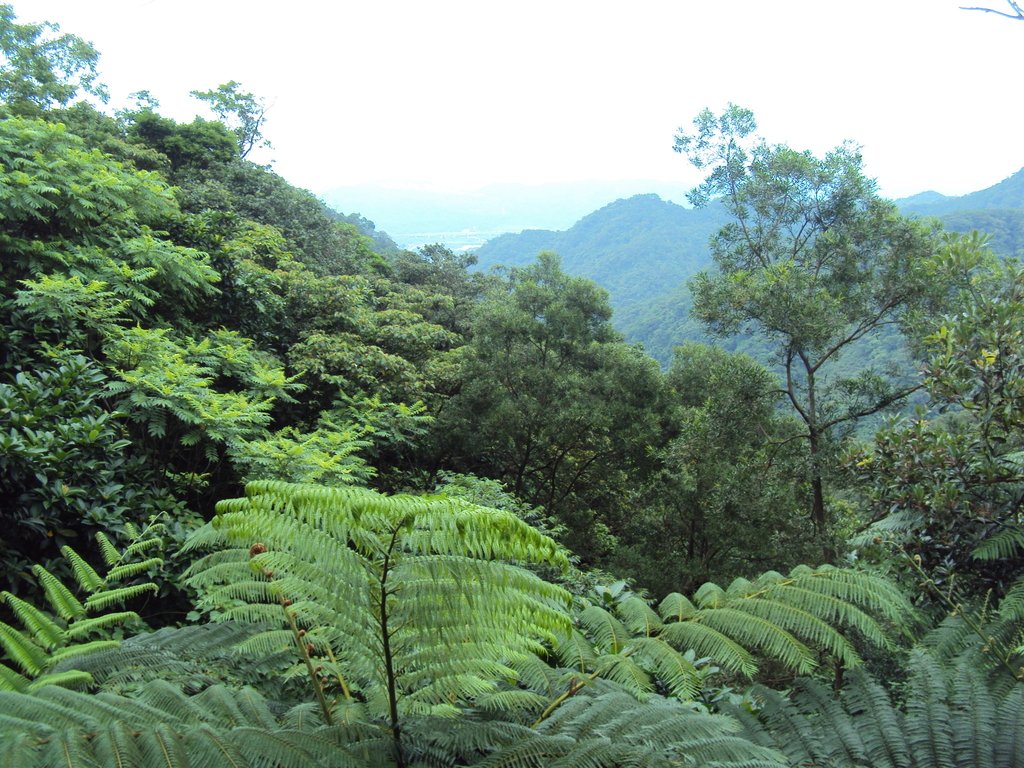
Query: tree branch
(1017, 15)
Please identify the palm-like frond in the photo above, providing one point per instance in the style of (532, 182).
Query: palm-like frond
(789, 619)
(418, 604)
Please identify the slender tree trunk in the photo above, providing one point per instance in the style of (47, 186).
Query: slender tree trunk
(814, 437)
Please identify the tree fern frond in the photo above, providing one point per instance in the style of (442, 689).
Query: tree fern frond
(881, 725)
(1008, 736)
(709, 642)
(638, 616)
(676, 606)
(111, 556)
(25, 653)
(610, 635)
(622, 669)
(513, 703)
(763, 634)
(973, 716)
(99, 601)
(575, 651)
(12, 681)
(679, 676)
(929, 724)
(72, 678)
(1002, 545)
(83, 627)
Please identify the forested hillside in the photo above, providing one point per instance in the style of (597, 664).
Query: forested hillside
(643, 250)
(278, 493)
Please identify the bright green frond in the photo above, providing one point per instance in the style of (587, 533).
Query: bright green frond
(85, 574)
(61, 599)
(45, 631)
(709, 642)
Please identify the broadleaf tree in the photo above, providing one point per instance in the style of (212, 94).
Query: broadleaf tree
(816, 264)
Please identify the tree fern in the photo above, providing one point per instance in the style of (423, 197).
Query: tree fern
(950, 718)
(161, 726)
(605, 726)
(789, 619)
(415, 603)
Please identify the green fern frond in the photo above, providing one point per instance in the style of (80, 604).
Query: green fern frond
(83, 627)
(757, 632)
(12, 681)
(102, 600)
(679, 676)
(72, 678)
(85, 574)
(676, 607)
(111, 556)
(610, 635)
(973, 713)
(929, 724)
(45, 631)
(1008, 736)
(21, 650)
(709, 642)
(130, 570)
(61, 599)
(1002, 545)
(575, 651)
(638, 616)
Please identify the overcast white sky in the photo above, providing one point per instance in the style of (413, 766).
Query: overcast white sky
(457, 94)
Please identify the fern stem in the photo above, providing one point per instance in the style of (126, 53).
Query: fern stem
(1003, 655)
(575, 687)
(337, 673)
(389, 665)
(314, 680)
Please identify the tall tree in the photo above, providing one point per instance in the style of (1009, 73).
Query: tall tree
(244, 112)
(815, 263)
(40, 68)
(554, 403)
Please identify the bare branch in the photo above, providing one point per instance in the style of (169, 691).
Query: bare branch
(1017, 15)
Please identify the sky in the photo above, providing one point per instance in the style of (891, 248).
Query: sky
(455, 95)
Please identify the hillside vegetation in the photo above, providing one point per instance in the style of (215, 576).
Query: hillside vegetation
(277, 493)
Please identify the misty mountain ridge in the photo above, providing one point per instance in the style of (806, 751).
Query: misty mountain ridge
(462, 220)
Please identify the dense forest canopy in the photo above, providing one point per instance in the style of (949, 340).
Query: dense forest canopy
(278, 493)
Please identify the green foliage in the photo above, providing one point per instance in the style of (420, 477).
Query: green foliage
(794, 622)
(56, 191)
(949, 716)
(65, 469)
(160, 725)
(81, 623)
(602, 726)
(814, 262)
(553, 404)
(40, 68)
(403, 600)
(947, 488)
(240, 110)
(730, 497)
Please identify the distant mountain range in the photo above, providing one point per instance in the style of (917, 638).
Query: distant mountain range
(643, 249)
